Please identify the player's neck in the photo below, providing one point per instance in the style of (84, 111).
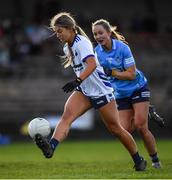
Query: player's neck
(108, 46)
(71, 40)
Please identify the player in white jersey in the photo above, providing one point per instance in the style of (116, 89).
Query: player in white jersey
(92, 89)
(81, 49)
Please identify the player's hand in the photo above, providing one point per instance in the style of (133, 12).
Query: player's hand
(70, 86)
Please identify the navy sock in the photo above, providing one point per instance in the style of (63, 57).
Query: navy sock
(54, 142)
(154, 157)
(136, 158)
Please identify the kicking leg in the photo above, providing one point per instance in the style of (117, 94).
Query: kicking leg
(76, 105)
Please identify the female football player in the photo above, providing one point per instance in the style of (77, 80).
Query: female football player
(91, 88)
(131, 88)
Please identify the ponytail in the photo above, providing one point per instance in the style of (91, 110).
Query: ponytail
(117, 35)
(81, 31)
(69, 56)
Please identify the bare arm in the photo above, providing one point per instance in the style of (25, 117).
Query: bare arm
(91, 66)
(129, 74)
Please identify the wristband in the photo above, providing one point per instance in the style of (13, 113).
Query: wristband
(79, 79)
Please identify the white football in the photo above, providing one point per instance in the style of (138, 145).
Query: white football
(39, 126)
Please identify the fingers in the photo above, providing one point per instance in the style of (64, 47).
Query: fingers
(70, 86)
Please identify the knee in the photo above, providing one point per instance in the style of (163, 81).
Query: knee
(126, 127)
(141, 127)
(129, 129)
(140, 122)
(138, 125)
(115, 129)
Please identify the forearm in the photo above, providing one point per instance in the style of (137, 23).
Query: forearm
(124, 75)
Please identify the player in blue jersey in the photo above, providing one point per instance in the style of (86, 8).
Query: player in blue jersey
(91, 89)
(130, 85)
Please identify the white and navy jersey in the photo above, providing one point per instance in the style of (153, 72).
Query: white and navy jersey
(97, 83)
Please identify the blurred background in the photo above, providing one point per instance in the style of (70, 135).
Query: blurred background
(31, 73)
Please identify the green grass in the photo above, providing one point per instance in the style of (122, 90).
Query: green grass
(80, 160)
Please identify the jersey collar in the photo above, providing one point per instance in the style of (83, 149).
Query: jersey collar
(73, 40)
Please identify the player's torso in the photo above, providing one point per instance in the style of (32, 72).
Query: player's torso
(114, 59)
(97, 84)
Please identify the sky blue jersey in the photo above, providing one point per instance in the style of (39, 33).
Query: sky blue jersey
(120, 58)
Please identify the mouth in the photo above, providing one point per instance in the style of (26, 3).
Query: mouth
(61, 39)
(100, 41)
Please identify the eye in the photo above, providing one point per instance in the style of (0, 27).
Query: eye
(59, 31)
(100, 32)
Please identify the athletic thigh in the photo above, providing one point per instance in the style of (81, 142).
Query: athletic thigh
(141, 111)
(110, 114)
(76, 105)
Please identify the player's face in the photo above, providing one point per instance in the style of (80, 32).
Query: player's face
(101, 35)
(63, 34)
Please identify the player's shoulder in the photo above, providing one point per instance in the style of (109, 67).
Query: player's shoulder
(120, 43)
(79, 39)
(121, 46)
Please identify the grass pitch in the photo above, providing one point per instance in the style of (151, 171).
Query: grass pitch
(81, 160)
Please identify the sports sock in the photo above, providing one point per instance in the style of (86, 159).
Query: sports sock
(136, 158)
(54, 142)
(154, 157)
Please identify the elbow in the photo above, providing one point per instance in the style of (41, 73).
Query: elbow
(94, 65)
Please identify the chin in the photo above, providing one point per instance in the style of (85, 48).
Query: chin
(102, 43)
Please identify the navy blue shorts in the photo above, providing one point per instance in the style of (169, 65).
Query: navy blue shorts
(99, 102)
(140, 95)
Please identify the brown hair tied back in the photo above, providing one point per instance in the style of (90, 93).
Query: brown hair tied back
(111, 29)
(65, 20)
